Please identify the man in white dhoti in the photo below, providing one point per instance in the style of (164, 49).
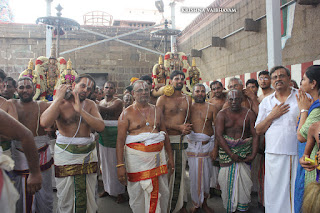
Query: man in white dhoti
(141, 145)
(8, 194)
(277, 118)
(200, 146)
(110, 109)
(176, 111)
(238, 146)
(75, 152)
(29, 112)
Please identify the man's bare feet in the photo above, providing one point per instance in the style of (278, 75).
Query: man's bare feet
(120, 198)
(103, 194)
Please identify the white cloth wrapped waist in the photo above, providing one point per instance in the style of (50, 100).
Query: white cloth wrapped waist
(199, 137)
(110, 122)
(147, 138)
(74, 140)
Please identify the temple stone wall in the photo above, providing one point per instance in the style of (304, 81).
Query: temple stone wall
(245, 51)
(114, 60)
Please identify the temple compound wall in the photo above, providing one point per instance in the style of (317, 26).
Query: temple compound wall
(245, 52)
(110, 60)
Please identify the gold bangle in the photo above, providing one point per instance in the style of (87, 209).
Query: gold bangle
(119, 165)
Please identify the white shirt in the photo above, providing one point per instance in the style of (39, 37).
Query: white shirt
(281, 137)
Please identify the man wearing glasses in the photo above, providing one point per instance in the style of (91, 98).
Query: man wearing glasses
(277, 120)
(264, 81)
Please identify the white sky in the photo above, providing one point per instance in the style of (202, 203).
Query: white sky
(27, 11)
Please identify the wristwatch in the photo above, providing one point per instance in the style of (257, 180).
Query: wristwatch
(304, 110)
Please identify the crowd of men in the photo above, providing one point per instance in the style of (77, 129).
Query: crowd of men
(232, 140)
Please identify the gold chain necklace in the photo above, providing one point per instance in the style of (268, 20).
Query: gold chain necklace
(147, 123)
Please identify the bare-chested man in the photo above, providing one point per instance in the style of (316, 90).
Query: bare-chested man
(176, 110)
(218, 98)
(29, 112)
(75, 155)
(142, 133)
(201, 143)
(249, 99)
(127, 100)
(238, 145)
(8, 107)
(110, 109)
(11, 128)
(264, 81)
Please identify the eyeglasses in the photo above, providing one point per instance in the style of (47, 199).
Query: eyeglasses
(264, 78)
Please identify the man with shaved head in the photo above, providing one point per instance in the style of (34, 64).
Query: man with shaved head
(238, 146)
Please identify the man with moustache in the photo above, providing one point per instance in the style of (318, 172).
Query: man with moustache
(141, 146)
(264, 81)
(201, 143)
(176, 110)
(218, 98)
(75, 155)
(9, 88)
(110, 109)
(238, 145)
(277, 120)
(249, 99)
(253, 85)
(148, 79)
(29, 112)
(11, 128)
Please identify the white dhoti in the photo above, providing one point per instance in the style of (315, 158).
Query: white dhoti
(41, 201)
(108, 158)
(214, 176)
(178, 180)
(146, 169)
(75, 170)
(235, 184)
(8, 193)
(200, 166)
(280, 176)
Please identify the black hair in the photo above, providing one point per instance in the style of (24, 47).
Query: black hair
(14, 83)
(110, 82)
(79, 77)
(215, 82)
(175, 73)
(129, 88)
(252, 81)
(3, 75)
(263, 72)
(146, 78)
(313, 73)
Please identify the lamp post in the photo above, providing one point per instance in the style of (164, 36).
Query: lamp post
(59, 23)
(48, 30)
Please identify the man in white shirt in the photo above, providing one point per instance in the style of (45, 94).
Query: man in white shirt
(277, 120)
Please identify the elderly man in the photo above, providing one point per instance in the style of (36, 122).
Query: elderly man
(238, 145)
(9, 195)
(141, 144)
(176, 110)
(110, 109)
(75, 155)
(29, 112)
(277, 119)
(249, 99)
(264, 81)
(127, 100)
(201, 143)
